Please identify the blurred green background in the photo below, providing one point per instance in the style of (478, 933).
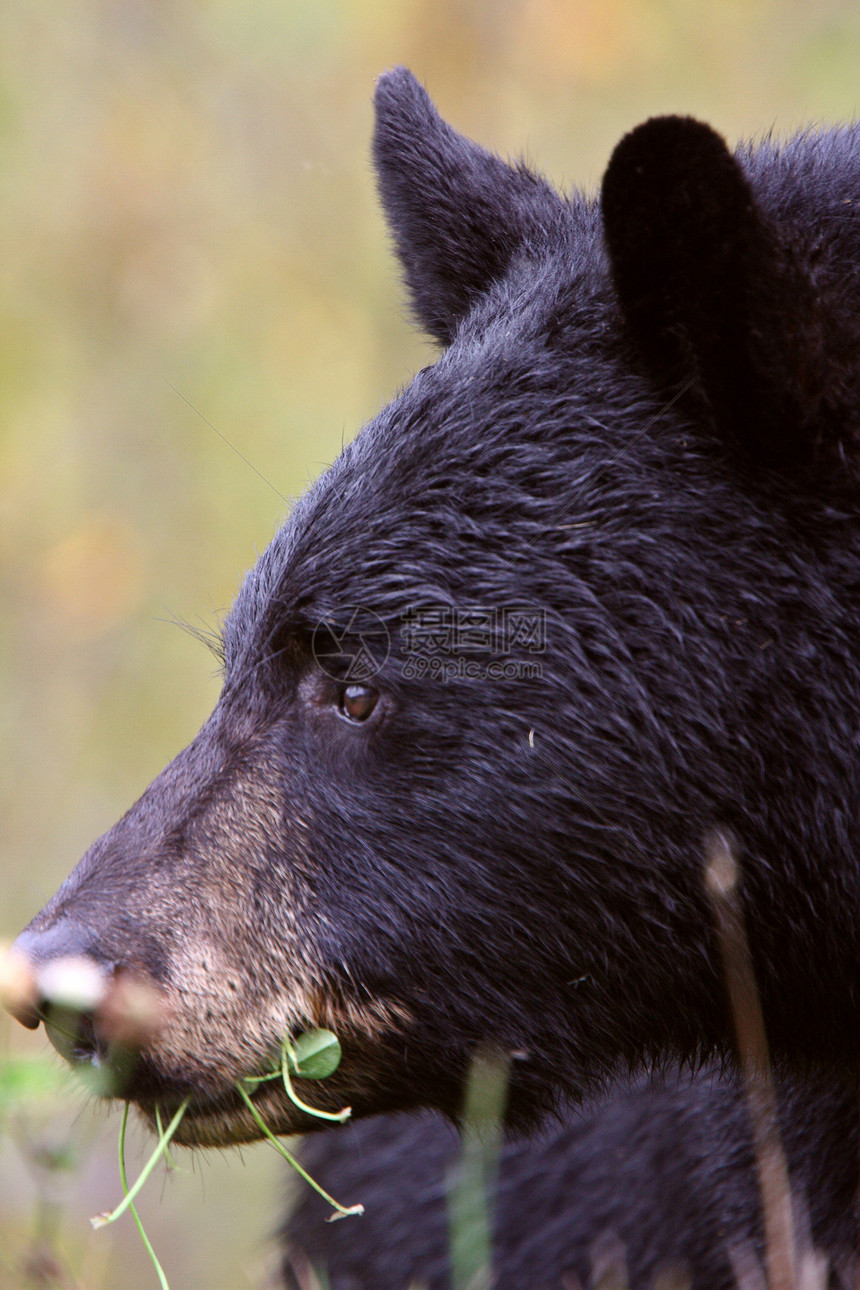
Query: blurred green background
(190, 239)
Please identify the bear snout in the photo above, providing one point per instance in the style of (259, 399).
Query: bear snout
(96, 1013)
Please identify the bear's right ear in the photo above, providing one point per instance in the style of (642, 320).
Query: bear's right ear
(458, 213)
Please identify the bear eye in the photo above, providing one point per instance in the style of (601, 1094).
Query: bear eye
(356, 702)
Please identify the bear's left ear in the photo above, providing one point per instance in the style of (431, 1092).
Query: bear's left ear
(712, 299)
(458, 213)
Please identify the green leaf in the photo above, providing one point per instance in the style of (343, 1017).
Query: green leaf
(316, 1054)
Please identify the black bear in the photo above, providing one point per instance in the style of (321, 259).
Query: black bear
(585, 591)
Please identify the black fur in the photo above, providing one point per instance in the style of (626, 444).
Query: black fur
(700, 668)
(642, 434)
(658, 1177)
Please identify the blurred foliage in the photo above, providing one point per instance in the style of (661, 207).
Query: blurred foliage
(191, 249)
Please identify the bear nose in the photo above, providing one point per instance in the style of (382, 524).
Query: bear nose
(50, 976)
(99, 1014)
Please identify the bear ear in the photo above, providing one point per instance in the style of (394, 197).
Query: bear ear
(713, 301)
(458, 213)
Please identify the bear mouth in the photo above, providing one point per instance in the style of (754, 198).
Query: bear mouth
(230, 1098)
(227, 1119)
(213, 1116)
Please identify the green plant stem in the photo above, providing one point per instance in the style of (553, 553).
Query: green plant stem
(101, 1220)
(138, 1224)
(338, 1116)
(343, 1211)
(253, 1082)
(168, 1158)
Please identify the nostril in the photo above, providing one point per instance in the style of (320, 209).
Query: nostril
(73, 1034)
(71, 991)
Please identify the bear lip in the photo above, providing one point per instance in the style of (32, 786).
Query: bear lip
(225, 1120)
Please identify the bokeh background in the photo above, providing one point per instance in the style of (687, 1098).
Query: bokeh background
(191, 257)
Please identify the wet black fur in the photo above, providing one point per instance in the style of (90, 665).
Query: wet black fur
(701, 662)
